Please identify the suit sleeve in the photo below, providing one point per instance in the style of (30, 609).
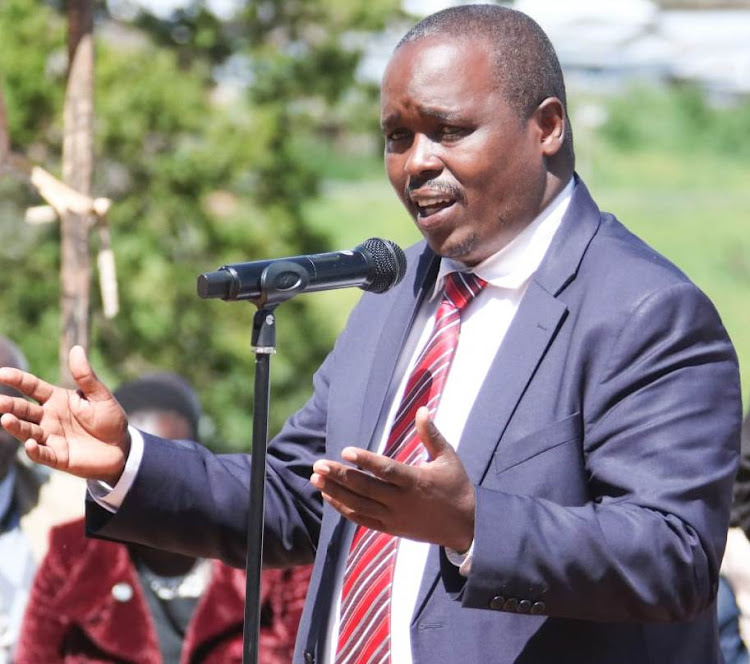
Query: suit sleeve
(187, 499)
(661, 417)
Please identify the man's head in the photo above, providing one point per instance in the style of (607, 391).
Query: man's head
(473, 113)
(10, 356)
(162, 404)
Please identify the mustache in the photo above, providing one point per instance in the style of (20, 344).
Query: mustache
(452, 190)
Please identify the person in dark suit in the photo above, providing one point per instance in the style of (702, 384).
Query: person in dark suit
(561, 496)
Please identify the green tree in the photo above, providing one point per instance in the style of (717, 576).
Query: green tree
(196, 183)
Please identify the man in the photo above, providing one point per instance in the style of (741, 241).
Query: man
(592, 399)
(19, 493)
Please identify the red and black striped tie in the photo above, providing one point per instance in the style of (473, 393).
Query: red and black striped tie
(364, 623)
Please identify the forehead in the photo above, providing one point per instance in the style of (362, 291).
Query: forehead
(438, 73)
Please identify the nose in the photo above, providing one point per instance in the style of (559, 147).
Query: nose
(422, 157)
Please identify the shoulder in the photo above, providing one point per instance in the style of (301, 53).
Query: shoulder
(70, 536)
(620, 273)
(72, 549)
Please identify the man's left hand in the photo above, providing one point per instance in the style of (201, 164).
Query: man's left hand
(431, 502)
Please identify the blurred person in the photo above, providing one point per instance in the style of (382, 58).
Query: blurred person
(523, 453)
(99, 601)
(733, 648)
(735, 566)
(20, 484)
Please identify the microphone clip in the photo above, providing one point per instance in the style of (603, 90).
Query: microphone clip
(281, 281)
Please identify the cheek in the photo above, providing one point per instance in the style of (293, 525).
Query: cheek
(395, 172)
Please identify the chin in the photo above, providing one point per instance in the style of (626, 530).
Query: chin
(463, 250)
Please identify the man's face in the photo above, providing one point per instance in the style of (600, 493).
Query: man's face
(468, 170)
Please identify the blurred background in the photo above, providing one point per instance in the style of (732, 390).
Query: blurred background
(229, 130)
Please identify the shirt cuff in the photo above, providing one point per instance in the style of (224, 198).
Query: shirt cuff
(111, 498)
(461, 560)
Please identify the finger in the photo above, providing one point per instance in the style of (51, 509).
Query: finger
(383, 467)
(352, 505)
(327, 473)
(348, 513)
(85, 377)
(20, 429)
(21, 408)
(41, 453)
(27, 383)
(430, 435)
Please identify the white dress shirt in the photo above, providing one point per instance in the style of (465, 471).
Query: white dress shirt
(484, 323)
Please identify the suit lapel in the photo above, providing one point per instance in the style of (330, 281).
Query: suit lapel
(536, 322)
(360, 397)
(533, 329)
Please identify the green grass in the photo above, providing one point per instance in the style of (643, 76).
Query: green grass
(692, 208)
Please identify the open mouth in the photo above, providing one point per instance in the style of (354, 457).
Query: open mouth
(428, 207)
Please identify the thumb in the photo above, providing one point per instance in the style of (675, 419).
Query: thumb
(429, 434)
(83, 374)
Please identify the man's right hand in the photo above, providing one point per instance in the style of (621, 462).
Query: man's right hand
(83, 432)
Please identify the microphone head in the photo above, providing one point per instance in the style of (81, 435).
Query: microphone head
(387, 264)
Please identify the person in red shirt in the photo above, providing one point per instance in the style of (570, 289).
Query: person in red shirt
(101, 601)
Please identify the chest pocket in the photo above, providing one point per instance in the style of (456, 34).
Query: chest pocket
(547, 463)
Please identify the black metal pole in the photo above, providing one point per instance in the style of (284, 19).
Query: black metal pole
(264, 345)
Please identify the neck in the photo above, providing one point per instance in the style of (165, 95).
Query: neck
(557, 180)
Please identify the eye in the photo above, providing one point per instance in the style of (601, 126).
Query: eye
(452, 132)
(397, 135)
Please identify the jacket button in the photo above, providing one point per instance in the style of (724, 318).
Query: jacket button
(538, 608)
(510, 604)
(497, 603)
(524, 606)
(309, 657)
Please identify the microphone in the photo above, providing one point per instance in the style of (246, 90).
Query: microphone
(375, 265)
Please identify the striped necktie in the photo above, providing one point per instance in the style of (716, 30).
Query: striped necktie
(364, 622)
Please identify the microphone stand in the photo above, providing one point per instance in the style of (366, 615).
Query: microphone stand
(264, 345)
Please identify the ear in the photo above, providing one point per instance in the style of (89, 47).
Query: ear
(552, 124)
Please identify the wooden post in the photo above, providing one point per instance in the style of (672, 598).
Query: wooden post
(77, 168)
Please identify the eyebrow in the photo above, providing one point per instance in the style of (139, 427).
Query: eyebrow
(434, 113)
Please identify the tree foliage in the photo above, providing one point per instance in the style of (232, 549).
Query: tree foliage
(196, 183)
(679, 118)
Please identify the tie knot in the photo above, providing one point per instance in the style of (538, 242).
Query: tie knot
(462, 287)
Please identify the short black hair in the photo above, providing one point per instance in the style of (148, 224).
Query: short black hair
(528, 70)
(162, 391)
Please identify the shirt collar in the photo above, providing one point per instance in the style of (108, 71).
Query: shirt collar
(511, 267)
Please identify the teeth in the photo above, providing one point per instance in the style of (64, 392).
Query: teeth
(431, 202)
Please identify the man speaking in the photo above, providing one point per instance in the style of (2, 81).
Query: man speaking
(523, 453)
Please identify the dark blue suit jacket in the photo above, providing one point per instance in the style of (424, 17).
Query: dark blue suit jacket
(603, 445)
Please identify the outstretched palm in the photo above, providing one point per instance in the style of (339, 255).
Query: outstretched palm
(83, 432)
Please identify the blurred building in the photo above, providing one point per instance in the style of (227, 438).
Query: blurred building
(605, 45)
(608, 43)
